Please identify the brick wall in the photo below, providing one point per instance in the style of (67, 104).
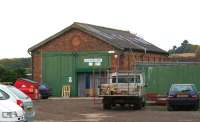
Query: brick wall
(126, 61)
(75, 40)
(71, 41)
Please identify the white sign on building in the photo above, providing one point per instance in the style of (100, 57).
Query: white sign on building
(93, 61)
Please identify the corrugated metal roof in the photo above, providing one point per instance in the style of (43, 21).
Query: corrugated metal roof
(118, 38)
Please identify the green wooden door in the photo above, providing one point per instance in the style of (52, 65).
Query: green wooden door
(58, 70)
(51, 73)
(68, 72)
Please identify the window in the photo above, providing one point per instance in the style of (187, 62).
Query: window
(3, 95)
(137, 79)
(131, 80)
(182, 88)
(122, 80)
(87, 81)
(127, 79)
(114, 79)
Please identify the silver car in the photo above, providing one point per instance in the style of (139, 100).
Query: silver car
(9, 111)
(21, 99)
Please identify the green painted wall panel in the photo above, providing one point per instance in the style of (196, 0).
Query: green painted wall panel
(160, 77)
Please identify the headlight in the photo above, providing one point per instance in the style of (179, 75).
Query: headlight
(9, 114)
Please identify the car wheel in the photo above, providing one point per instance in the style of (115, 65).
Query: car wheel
(196, 107)
(45, 97)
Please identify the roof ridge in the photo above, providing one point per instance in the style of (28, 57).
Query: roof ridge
(102, 27)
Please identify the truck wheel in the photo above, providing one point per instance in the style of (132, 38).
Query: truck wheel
(106, 106)
(138, 106)
(143, 104)
(122, 105)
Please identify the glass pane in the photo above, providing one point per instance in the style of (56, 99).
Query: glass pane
(137, 79)
(3, 95)
(182, 88)
(122, 80)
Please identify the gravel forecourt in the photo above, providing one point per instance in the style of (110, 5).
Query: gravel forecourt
(84, 110)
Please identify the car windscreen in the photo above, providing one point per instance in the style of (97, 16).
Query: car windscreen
(3, 95)
(17, 92)
(183, 88)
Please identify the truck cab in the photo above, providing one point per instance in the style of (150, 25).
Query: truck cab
(124, 88)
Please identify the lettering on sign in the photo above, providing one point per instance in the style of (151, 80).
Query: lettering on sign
(90, 64)
(97, 63)
(93, 60)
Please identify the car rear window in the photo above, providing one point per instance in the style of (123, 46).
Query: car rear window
(17, 92)
(183, 88)
(3, 95)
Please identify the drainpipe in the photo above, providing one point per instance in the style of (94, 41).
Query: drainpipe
(31, 63)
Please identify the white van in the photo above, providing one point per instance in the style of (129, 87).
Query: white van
(10, 111)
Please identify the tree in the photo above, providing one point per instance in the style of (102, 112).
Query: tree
(184, 43)
(2, 73)
(7, 75)
(10, 76)
(20, 73)
(174, 48)
(16, 63)
(186, 47)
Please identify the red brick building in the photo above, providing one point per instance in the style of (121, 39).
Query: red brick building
(125, 48)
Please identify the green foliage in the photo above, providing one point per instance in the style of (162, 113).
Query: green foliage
(20, 73)
(16, 63)
(2, 73)
(11, 69)
(7, 75)
(186, 47)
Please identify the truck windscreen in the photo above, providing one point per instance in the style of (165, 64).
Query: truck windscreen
(126, 79)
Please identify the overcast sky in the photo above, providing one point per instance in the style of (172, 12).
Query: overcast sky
(164, 23)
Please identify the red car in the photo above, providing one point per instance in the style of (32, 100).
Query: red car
(29, 87)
